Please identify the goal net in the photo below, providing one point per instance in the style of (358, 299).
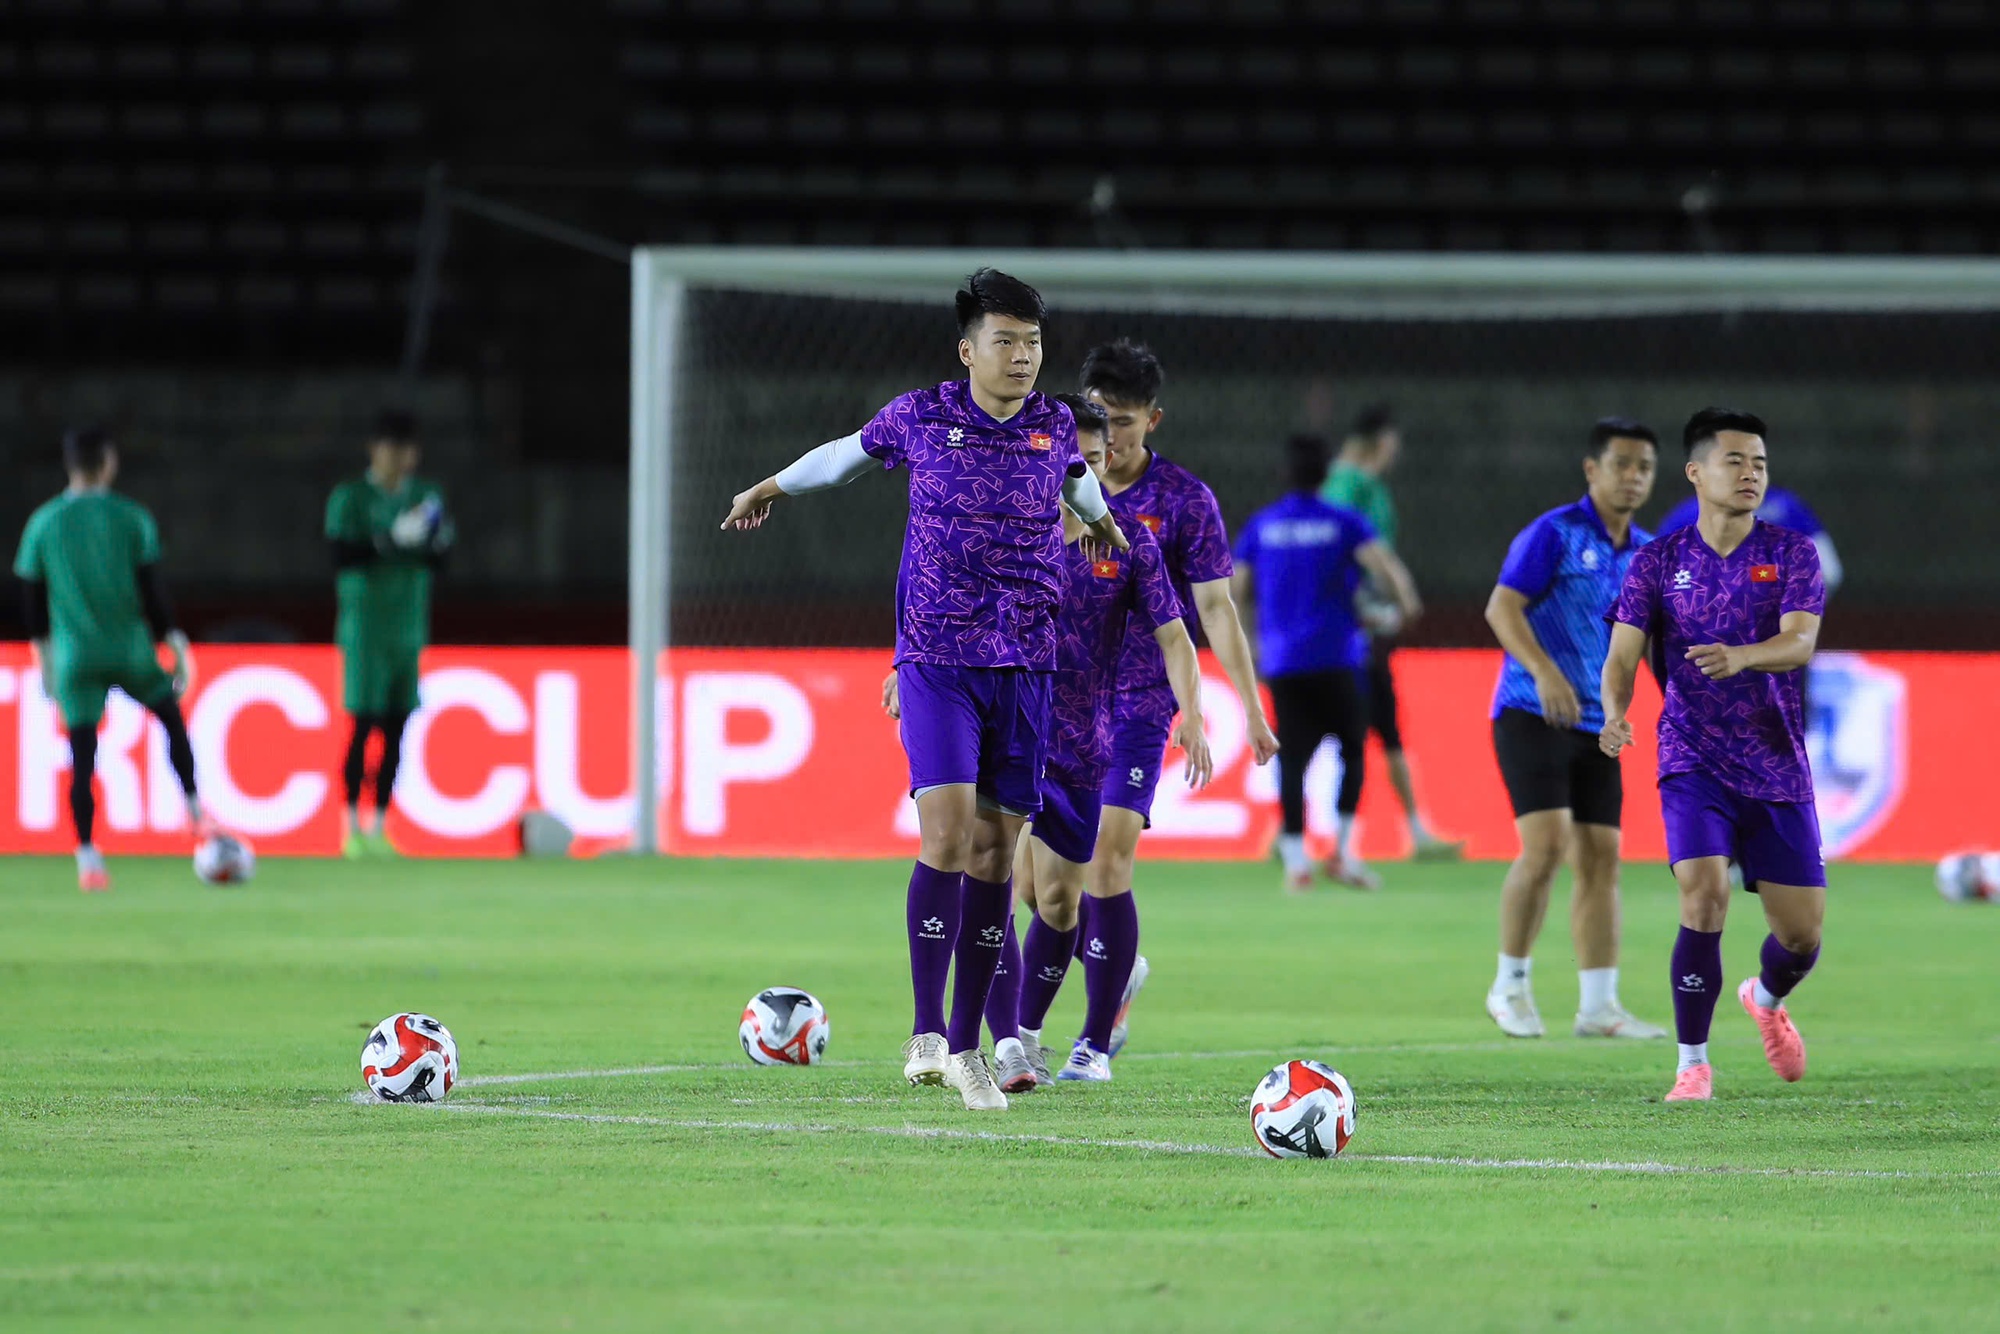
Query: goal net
(1876, 376)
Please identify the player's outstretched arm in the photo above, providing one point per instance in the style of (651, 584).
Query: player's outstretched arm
(1507, 613)
(835, 463)
(1184, 675)
(1232, 649)
(1621, 670)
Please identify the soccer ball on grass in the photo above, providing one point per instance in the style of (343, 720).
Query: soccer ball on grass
(1303, 1109)
(1970, 876)
(224, 859)
(784, 1026)
(409, 1058)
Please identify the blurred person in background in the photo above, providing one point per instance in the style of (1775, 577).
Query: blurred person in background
(1372, 446)
(389, 533)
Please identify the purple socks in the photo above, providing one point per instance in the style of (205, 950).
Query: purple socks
(1044, 961)
(1110, 945)
(1783, 969)
(931, 914)
(1697, 983)
(1003, 1002)
(982, 933)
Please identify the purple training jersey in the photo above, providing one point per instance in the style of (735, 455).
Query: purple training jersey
(1179, 510)
(1107, 594)
(1749, 731)
(982, 569)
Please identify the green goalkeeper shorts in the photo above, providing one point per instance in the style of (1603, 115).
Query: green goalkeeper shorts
(80, 691)
(380, 682)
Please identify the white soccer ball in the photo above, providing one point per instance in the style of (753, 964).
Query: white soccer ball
(1303, 1109)
(784, 1026)
(409, 1058)
(1969, 876)
(224, 859)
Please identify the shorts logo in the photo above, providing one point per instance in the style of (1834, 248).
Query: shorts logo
(1691, 982)
(1763, 574)
(1683, 581)
(1136, 778)
(991, 936)
(1096, 948)
(955, 437)
(1105, 569)
(1039, 441)
(931, 928)
(1152, 522)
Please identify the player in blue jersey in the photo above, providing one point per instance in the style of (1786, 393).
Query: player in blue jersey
(1300, 563)
(1561, 578)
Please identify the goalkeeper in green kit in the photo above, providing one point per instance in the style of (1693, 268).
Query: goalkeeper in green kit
(89, 569)
(389, 532)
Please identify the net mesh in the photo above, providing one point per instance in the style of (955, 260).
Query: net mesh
(1880, 421)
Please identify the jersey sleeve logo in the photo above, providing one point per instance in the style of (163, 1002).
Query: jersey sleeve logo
(1763, 574)
(1039, 440)
(1152, 522)
(1105, 569)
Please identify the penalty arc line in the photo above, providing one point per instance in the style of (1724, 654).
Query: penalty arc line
(1210, 1150)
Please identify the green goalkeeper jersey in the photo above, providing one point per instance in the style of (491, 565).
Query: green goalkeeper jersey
(385, 604)
(87, 547)
(1357, 490)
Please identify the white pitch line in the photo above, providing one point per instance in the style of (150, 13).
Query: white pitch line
(1211, 1150)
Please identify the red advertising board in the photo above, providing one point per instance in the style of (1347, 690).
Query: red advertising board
(787, 753)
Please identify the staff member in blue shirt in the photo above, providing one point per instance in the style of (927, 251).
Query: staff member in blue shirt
(1549, 610)
(1299, 564)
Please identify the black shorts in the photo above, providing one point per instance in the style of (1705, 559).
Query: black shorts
(1382, 717)
(1557, 768)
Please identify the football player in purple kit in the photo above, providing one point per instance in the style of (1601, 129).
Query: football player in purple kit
(1108, 594)
(991, 465)
(1148, 491)
(1729, 609)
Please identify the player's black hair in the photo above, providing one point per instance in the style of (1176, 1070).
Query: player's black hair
(1608, 429)
(1705, 425)
(1306, 460)
(991, 292)
(1126, 373)
(1371, 422)
(395, 424)
(84, 448)
(1089, 417)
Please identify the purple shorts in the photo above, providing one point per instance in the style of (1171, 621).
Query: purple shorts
(1067, 821)
(978, 725)
(1774, 841)
(1139, 729)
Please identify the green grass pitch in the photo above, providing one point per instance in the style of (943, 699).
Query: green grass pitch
(179, 1148)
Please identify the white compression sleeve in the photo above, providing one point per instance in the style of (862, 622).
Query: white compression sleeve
(1085, 496)
(835, 463)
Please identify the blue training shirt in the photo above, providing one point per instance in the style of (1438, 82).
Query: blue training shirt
(1781, 509)
(1302, 552)
(1571, 574)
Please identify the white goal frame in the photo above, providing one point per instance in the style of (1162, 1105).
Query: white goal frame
(1404, 286)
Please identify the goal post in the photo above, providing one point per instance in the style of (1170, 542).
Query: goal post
(744, 357)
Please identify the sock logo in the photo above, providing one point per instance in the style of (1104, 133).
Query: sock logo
(1096, 948)
(991, 936)
(1050, 973)
(931, 928)
(1692, 982)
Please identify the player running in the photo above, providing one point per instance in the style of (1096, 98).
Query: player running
(1730, 611)
(389, 534)
(1107, 591)
(1146, 490)
(89, 566)
(1371, 449)
(1549, 611)
(991, 463)
(1299, 564)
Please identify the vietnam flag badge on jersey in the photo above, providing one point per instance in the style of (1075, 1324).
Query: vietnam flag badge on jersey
(1152, 522)
(1763, 574)
(1038, 440)
(1105, 569)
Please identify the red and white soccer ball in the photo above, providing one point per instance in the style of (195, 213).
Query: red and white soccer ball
(1303, 1109)
(224, 859)
(1971, 876)
(785, 1026)
(409, 1058)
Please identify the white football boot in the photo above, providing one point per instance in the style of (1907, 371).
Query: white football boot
(968, 1072)
(1011, 1068)
(924, 1059)
(1513, 1008)
(1086, 1064)
(1121, 1027)
(1615, 1021)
